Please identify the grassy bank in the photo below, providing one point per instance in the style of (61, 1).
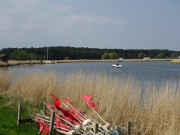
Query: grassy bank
(8, 118)
(175, 61)
(119, 100)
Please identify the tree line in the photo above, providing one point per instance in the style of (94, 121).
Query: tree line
(66, 52)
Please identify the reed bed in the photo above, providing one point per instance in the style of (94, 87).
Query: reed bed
(156, 111)
(147, 60)
(109, 60)
(86, 60)
(14, 62)
(3, 64)
(175, 61)
(5, 80)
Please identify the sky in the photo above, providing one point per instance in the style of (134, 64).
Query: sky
(111, 24)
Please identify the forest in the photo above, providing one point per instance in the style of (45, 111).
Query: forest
(67, 52)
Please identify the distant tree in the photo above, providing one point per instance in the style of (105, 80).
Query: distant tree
(23, 55)
(160, 56)
(113, 55)
(174, 55)
(66, 58)
(19, 55)
(105, 56)
(61, 52)
(140, 55)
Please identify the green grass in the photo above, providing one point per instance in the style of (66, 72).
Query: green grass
(8, 119)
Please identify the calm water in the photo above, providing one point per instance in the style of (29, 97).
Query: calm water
(156, 72)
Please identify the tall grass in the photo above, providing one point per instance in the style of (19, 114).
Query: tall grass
(5, 80)
(157, 111)
(3, 64)
(175, 61)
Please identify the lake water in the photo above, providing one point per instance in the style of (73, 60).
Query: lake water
(156, 72)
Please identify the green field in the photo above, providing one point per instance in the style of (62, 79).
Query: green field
(8, 119)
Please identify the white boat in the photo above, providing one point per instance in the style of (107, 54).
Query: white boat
(120, 59)
(48, 61)
(116, 65)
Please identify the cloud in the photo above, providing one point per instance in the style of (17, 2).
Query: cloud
(29, 26)
(60, 9)
(43, 15)
(86, 30)
(59, 23)
(86, 22)
(6, 23)
(96, 20)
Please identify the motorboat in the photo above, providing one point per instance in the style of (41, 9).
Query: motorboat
(116, 65)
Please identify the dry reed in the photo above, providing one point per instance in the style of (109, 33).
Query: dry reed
(3, 64)
(175, 61)
(147, 60)
(20, 62)
(119, 100)
(5, 80)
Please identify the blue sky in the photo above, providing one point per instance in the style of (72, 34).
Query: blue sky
(121, 24)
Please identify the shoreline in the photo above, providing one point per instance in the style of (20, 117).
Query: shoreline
(32, 62)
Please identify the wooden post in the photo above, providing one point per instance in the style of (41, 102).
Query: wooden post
(51, 123)
(44, 108)
(19, 114)
(95, 128)
(129, 128)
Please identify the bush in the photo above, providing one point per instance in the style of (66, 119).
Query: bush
(111, 55)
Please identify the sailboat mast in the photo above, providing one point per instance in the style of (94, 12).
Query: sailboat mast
(47, 53)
